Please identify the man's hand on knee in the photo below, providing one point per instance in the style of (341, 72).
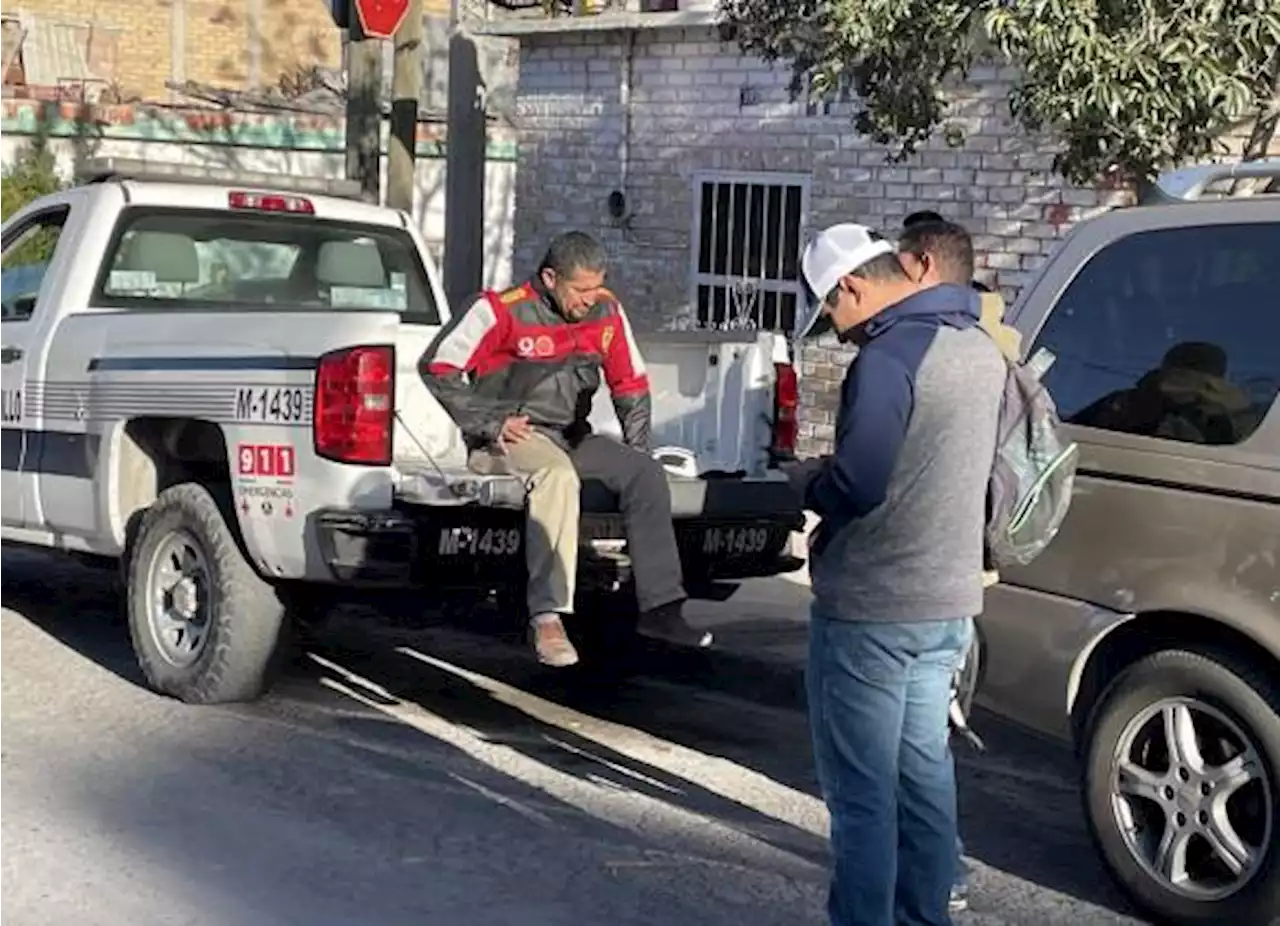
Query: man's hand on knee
(514, 430)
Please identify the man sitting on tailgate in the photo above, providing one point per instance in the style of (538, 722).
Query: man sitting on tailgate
(517, 371)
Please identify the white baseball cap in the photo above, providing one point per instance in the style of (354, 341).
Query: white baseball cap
(834, 252)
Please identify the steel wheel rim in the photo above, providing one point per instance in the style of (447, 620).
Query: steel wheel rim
(1190, 794)
(179, 598)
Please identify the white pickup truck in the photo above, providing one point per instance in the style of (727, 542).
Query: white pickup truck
(213, 381)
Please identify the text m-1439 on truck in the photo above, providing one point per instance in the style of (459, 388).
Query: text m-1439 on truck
(270, 404)
(211, 380)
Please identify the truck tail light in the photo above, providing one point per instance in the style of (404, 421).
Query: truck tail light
(270, 202)
(355, 405)
(786, 409)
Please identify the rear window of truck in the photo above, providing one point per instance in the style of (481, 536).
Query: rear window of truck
(239, 260)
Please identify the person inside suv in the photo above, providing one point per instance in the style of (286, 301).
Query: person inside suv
(1187, 398)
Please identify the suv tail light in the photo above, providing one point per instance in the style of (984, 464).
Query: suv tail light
(355, 404)
(270, 202)
(786, 408)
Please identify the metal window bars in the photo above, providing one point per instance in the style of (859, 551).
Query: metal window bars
(745, 252)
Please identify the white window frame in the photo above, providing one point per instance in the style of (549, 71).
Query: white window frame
(766, 179)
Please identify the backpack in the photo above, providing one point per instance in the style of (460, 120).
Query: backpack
(1032, 474)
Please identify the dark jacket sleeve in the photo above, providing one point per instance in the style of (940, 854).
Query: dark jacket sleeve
(466, 343)
(801, 474)
(876, 405)
(628, 382)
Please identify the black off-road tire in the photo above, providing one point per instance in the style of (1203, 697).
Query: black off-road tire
(1246, 695)
(248, 633)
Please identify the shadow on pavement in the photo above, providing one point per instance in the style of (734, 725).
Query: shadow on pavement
(554, 722)
(316, 806)
(1021, 811)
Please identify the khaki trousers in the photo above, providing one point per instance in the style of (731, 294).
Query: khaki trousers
(551, 532)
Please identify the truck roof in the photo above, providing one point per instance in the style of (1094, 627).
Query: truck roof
(183, 186)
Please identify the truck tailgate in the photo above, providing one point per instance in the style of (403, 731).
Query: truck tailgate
(712, 396)
(421, 483)
(425, 433)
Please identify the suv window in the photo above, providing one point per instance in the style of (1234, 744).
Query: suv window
(28, 251)
(1171, 333)
(213, 260)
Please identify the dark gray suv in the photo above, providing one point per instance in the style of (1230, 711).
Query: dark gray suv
(1149, 631)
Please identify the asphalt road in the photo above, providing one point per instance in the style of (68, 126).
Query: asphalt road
(435, 776)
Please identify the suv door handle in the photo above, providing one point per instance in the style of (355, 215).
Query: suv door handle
(10, 354)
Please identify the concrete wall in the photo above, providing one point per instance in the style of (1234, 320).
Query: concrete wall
(698, 105)
(311, 146)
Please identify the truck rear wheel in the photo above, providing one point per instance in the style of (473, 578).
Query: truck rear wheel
(205, 627)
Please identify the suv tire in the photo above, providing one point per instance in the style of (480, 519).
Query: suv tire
(205, 627)
(1228, 706)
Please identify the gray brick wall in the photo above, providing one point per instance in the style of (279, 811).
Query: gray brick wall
(698, 105)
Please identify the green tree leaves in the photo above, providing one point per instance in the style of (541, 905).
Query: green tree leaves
(32, 174)
(1127, 87)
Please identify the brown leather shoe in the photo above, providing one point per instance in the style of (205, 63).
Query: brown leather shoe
(551, 642)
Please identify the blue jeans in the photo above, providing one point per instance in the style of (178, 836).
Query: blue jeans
(878, 700)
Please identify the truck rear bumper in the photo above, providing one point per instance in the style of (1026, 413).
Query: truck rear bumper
(370, 548)
(474, 546)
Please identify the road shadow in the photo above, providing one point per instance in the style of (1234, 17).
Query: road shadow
(548, 721)
(76, 605)
(316, 805)
(1021, 811)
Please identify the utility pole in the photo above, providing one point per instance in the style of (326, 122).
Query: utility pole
(464, 166)
(364, 108)
(406, 90)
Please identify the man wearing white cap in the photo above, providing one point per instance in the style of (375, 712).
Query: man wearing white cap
(896, 564)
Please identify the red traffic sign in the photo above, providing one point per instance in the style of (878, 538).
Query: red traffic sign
(379, 19)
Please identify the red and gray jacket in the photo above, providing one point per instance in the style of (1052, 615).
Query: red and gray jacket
(523, 357)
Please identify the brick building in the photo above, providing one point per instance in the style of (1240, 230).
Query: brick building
(135, 49)
(723, 175)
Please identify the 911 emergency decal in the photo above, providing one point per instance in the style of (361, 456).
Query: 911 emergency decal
(265, 460)
(264, 480)
(278, 404)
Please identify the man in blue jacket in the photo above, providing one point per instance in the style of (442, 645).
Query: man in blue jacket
(896, 565)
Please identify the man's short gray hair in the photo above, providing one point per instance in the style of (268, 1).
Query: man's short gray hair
(574, 251)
